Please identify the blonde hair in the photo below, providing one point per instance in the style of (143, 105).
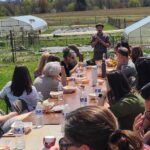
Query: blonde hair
(43, 61)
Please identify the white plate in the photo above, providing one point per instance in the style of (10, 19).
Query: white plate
(58, 108)
(55, 94)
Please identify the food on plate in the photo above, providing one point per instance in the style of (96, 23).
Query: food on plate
(92, 96)
(54, 94)
(111, 63)
(69, 89)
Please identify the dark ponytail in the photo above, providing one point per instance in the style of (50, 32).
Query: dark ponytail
(124, 140)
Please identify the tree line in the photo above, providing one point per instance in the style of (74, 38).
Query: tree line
(49, 6)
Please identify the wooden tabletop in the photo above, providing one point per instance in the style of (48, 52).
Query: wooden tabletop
(72, 99)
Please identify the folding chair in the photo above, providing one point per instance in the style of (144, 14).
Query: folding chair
(20, 106)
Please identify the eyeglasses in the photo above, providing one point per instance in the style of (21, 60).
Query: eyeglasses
(63, 145)
(147, 115)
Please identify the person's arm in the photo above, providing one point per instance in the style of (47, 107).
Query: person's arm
(33, 97)
(63, 76)
(4, 148)
(94, 41)
(138, 126)
(74, 69)
(9, 116)
(106, 44)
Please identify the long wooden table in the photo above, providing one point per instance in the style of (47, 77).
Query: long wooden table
(52, 121)
(72, 99)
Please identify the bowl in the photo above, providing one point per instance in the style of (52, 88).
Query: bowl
(55, 94)
(100, 81)
(82, 80)
(69, 89)
(92, 96)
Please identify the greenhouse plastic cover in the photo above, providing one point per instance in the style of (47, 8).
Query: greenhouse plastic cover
(27, 22)
(137, 25)
(35, 22)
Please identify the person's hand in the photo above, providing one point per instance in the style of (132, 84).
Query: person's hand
(13, 114)
(54, 148)
(98, 39)
(57, 78)
(4, 148)
(138, 126)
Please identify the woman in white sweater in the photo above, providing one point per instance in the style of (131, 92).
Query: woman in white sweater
(21, 88)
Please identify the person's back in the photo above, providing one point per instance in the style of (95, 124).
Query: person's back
(49, 80)
(126, 65)
(129, 69)
(45, 84)
(127, 109)
(20, 88)
(124, 103)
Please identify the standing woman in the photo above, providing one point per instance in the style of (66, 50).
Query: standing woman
(42, 63)
(124, 103)
(21, 88)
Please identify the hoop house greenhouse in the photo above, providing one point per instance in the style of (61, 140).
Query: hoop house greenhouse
(25, 24)
(139, 32)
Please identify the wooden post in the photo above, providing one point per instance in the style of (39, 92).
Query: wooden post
(12, 46)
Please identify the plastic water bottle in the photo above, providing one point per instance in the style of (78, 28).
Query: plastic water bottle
(39, 122)
(40, 96)
(94, 75)
(19, 133)
(99, 70)
(97, 90)
(83, 99)
(72, 82)
(66, 110)
(60, 90)
(104, 66)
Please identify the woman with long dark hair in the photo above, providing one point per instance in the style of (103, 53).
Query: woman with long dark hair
(21, 88)
(124, 103)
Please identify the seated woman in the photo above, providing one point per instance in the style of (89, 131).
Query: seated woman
(96, 128)
(21, 88)
(69, 62)
(49, 81)
(143, 70)
(41, 65)
(136, 53)
(124, 103)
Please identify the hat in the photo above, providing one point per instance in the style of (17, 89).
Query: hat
(99, 24)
